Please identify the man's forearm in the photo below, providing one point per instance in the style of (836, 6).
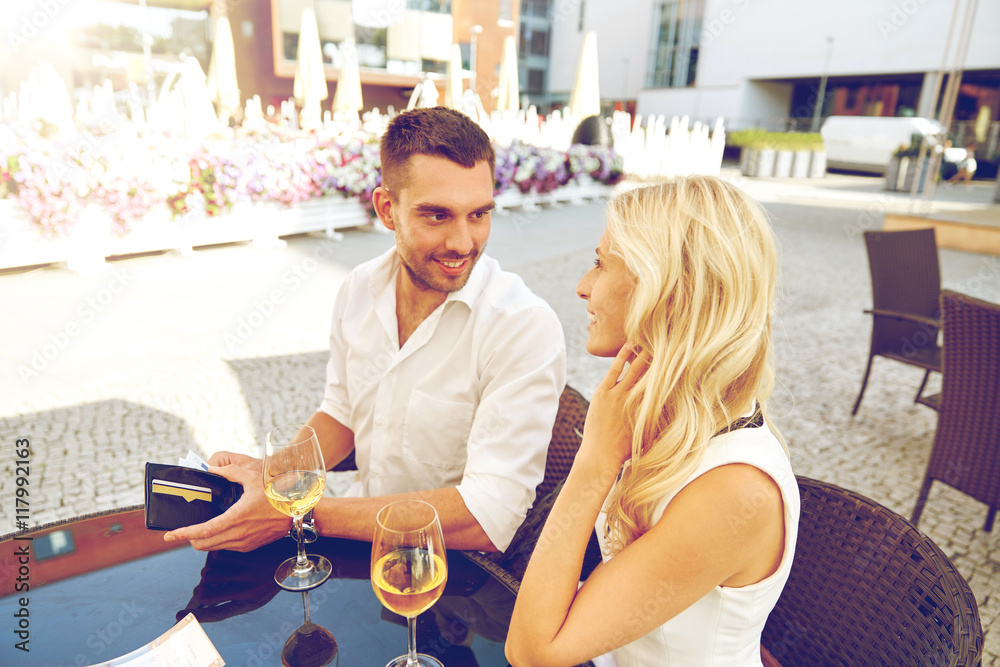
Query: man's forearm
(335, 439)
(354, 518)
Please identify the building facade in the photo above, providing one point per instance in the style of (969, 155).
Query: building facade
(762, 63)
(138, 44)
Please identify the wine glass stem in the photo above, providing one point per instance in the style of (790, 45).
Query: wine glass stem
(411, 653)
(301, 562)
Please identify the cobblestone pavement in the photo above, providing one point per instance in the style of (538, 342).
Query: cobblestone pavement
(161, 354)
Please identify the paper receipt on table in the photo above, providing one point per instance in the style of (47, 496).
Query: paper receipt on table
(184, 645)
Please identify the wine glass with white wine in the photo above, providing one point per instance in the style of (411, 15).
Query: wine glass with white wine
(409, 567)
(294, 481)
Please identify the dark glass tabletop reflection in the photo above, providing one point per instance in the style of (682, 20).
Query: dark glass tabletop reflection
(96, 616)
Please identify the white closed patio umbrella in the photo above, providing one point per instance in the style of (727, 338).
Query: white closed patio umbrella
(309, 87)
(347, 100)
(508, 92)
(424, 95)
(453, 79)
(222, 86)
(585, 99)
(199, 116)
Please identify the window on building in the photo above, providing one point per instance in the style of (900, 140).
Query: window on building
(506, 10)
(538, 8)
(540, 43)
(533, 41)
(119, 27)
(676, 35)
(536, 81)
(436, 6)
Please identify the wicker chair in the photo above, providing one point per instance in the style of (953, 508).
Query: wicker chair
(868, 588)
(966, 452)
(906, 283)
(566, 437)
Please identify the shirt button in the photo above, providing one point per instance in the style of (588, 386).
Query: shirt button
(380, 422)
(376, 470)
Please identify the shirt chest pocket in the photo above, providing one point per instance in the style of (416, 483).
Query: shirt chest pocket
(436, 432)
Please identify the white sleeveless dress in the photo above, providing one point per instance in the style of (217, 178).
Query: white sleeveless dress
(723, 628)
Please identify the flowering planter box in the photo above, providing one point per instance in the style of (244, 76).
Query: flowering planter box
(92, 240)
(580, 191)
(585, 188)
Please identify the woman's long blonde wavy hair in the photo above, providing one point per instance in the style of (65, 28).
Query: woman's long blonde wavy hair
(705, 266)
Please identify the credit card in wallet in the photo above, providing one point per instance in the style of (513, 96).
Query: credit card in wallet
(188, 492)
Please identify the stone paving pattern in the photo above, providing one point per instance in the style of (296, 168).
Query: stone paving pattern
(160, 354)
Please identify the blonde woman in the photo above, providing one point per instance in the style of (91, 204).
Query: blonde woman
(690, 488)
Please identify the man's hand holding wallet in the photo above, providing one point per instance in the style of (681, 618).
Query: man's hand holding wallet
(185, 494)
(242, 523)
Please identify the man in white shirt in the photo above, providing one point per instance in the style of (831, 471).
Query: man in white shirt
(445, 372)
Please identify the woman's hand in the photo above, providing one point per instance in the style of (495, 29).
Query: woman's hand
(606, 433)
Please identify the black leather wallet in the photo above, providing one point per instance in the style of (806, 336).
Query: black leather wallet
(177, 496)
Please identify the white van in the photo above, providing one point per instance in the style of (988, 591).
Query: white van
(866, 143)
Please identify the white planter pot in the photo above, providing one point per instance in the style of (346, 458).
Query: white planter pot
(891, 175)
(900, 172)
(783, 164)
(762, 163)
(800, 164)
(746, 160)
(817, 164)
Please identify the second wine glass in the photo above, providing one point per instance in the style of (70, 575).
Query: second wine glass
(409, 567)
(294, 481)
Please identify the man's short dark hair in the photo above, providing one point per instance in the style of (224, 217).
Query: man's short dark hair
(437, 131)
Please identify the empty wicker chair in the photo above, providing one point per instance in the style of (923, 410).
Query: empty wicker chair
(966, 452)
(868, 588)
(906, 283)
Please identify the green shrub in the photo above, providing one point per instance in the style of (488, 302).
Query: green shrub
(781, 141)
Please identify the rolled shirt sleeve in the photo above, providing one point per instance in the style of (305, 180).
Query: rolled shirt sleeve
(523, 375)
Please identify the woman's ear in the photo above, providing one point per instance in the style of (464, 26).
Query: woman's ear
(383, 207)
